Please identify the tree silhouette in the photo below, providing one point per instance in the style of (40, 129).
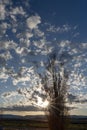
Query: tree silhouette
(55, 85)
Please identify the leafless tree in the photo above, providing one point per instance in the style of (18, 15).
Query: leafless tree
(55, 85)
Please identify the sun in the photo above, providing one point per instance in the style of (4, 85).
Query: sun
(41, 103)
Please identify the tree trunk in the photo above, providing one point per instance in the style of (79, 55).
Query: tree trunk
(55, 122)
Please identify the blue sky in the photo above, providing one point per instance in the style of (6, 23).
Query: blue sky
(30, 30)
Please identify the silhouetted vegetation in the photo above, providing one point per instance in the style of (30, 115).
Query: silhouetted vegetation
(55, 85)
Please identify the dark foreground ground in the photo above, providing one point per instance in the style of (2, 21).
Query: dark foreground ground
(27, 124)
(18, 124)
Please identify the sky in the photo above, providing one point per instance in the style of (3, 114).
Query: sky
(30, 30)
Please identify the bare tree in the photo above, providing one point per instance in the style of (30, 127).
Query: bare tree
(55, 85)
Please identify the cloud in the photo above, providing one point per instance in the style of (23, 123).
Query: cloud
(65, 43)
(25, 76)
(25, 42)
(20, 108)
(76, 81)
(3, 28)
(2, 12)
(22, 51)
(22, 38)
(7, 45)
(13, 17)
(64, 28)
(81, 101)
(33, 21)
(38, 32)
(5, 2)
(77, 101)
(76, 34)
(81, 98)
(83, 45)
(18, 11)
(6, 55)
(28, 35)
(71, 97)
(9, 94)
(40, 44)
(14, 30)
(26, 3)
(3, 75)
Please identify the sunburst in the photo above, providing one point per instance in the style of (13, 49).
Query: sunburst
(41, 103)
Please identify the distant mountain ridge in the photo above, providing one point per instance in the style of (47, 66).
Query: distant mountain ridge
(10, 116)
(78, 116)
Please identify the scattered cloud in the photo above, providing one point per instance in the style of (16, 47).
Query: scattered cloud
(62, 29)
(3, 28)
(3, 75)
(14, 30)
(65, 43)
(7, 45)
(17, 11)
(24, 44)
(22, 51)
(29, 35)
(76, 34)
(83, 45)
(38, 33)
(9, 94)
(2, 12)
(13, 17)
(40, 44)
(20, 108)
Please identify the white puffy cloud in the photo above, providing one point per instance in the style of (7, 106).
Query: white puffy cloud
(38, 33)
(40, 44)
(3, 28)
(4, 25)
(22, 51)
(17, 11)
(25, 42)
(28, 35)
(3, 75)
(64, 43)
(2, 12)
(33, 21)
(6, 55)
(74, 51)
(14, 30)
(8, 45)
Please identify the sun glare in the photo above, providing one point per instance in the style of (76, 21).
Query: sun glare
(41, 103)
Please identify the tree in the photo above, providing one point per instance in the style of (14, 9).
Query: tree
(55, 85)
